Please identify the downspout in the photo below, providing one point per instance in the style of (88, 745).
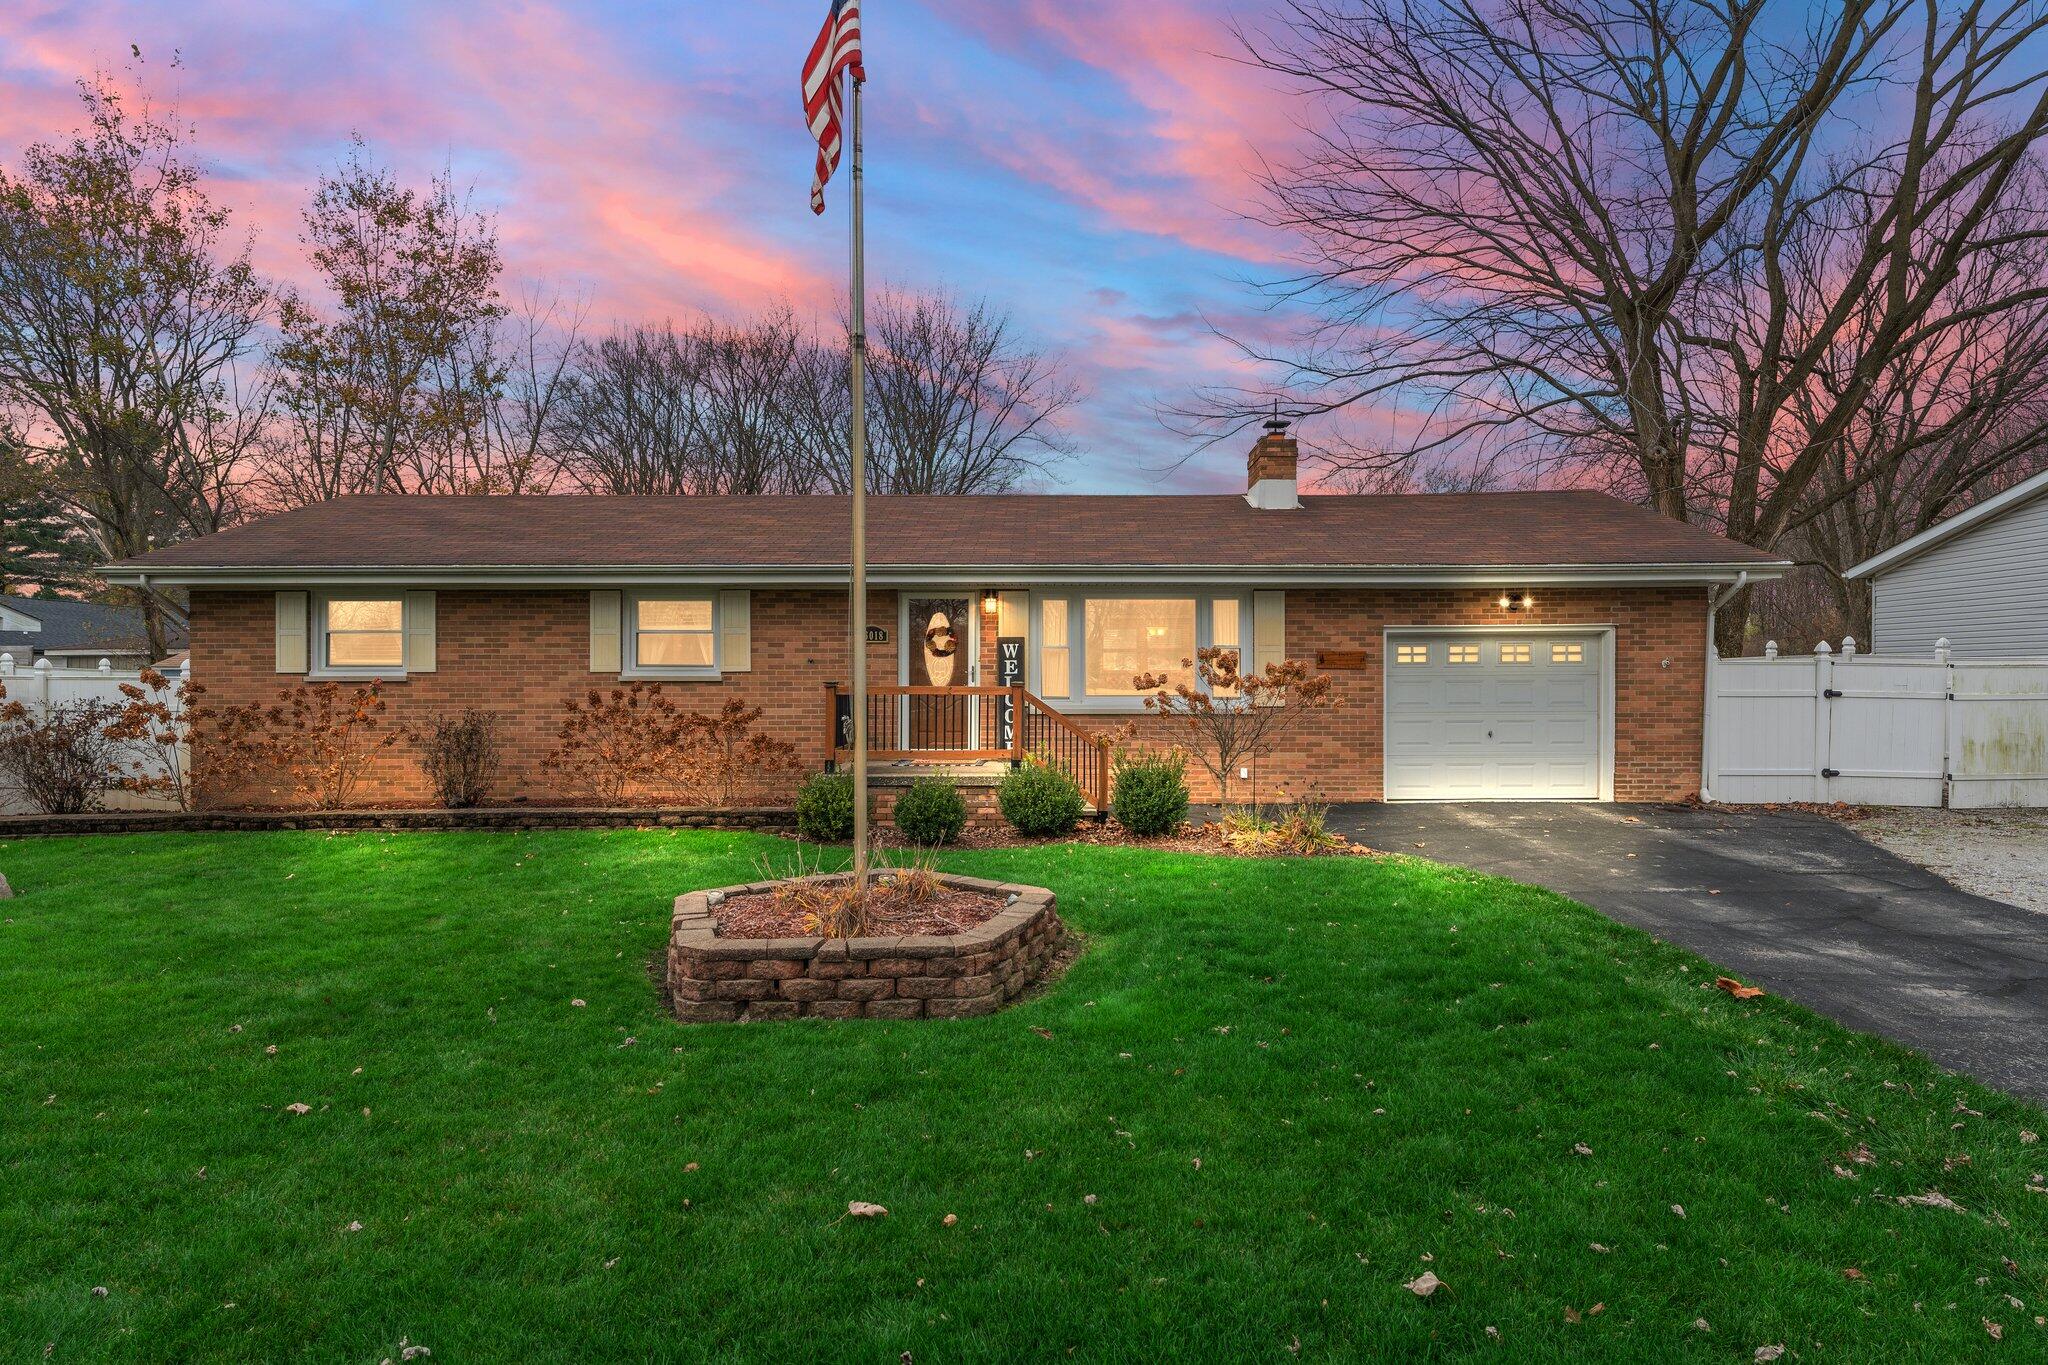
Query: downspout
(1715, 601)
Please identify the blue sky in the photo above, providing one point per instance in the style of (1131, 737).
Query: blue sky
(1084, 164)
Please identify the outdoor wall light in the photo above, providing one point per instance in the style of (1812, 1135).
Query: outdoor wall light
(1516, 601)
(990, 602)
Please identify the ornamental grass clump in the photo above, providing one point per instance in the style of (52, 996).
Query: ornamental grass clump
(931, 812)
(1039, 799)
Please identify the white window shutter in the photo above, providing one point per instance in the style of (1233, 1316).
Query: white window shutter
(419, 632)
(735, 631)
(1269, 629)
(291, 632)
(604, 630)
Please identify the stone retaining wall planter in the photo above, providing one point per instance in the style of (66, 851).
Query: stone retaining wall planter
(957, 976)
(773, 818)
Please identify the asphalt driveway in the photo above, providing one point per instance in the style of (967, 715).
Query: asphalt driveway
(1795, 903)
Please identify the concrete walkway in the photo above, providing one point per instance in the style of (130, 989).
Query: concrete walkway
(1796, 903)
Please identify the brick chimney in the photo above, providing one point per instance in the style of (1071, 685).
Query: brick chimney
(1270, 471)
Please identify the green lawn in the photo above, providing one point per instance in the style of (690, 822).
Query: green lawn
(1289, 1087)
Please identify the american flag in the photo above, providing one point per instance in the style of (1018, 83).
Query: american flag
(837, 50)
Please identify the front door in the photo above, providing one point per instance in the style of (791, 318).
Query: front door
(940, 648)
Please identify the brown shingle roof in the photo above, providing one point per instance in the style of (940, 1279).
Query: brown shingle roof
(1452, 530)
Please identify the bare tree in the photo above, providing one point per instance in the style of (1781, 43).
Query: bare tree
(517, 369)
(959, 403)
(630, 419)
(1567, 229)
(121, 326)
(399, 360)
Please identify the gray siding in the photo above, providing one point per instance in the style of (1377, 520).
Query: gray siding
(1986, 590)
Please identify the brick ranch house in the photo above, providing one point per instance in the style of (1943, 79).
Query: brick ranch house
(1484, 645)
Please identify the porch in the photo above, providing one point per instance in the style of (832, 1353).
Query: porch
(965, 732)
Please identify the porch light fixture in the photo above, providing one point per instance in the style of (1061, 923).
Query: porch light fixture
(1516, 601)
(990, 602)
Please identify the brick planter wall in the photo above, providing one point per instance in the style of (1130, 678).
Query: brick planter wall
(978, 971)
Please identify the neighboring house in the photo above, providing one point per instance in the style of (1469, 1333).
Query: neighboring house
(1516, 645)
(74, 634)
(1978, 580)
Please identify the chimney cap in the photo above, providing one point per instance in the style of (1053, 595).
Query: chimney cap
(1276, 424)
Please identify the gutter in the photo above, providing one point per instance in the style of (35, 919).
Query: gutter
(1715, 601)
(979, 576)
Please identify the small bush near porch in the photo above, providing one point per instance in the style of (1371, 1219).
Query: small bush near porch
(324, 1096)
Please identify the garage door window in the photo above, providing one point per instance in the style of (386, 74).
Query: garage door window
(1464, 654)
(1411, 654)
(1514, 654)
(1568, 653)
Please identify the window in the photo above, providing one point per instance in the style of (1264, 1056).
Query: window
(1464, 654)
(1568, 653)
(1411, 654)
(674, 632)
(1128, 636)
(1514, 654)
(1055, 660)
(1224, 634)
(363, 634)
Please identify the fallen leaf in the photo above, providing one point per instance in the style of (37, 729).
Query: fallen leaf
(355, 1226)
(2027, 1135)
(1700, 1325)
(1423, 1285)
(99, 1291)
(297, 1108)
(1933, 1199)
(1678, 1209)
(689, 1166)
(1582, 1149)
(1041, 1032)
(1740, 992)
(949, 1220)
(1996, 1332)
(1571, 1314)
(577, 1004)
(1769, 1352)
(1852, 1273)
(1601, 1249)
(860, 1208)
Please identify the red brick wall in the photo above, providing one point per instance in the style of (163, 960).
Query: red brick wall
(1337, 755)
(522, 652)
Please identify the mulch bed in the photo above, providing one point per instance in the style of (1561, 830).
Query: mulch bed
(939, 916)
(1204, 838)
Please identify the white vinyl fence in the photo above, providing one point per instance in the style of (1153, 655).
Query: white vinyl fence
(1880, 730)
(43, 688)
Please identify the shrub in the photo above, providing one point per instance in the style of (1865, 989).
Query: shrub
(1150, 795)
(1233, 716)
(153, 731)
(824, 808)
(1040, 800)
(461, 756)
(62, 760)
(612, 743)
(931, 812)
(721, 759)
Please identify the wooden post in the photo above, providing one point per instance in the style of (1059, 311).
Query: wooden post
(1101, 778)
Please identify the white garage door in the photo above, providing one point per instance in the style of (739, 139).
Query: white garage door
(1493, 717)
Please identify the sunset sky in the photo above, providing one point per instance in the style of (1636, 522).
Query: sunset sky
(1081, 163)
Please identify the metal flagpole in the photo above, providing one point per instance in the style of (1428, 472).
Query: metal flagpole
(857, 447)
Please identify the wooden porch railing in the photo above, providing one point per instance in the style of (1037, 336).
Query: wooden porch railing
(969, 725)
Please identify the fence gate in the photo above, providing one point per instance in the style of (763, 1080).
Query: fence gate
(1878, 730)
